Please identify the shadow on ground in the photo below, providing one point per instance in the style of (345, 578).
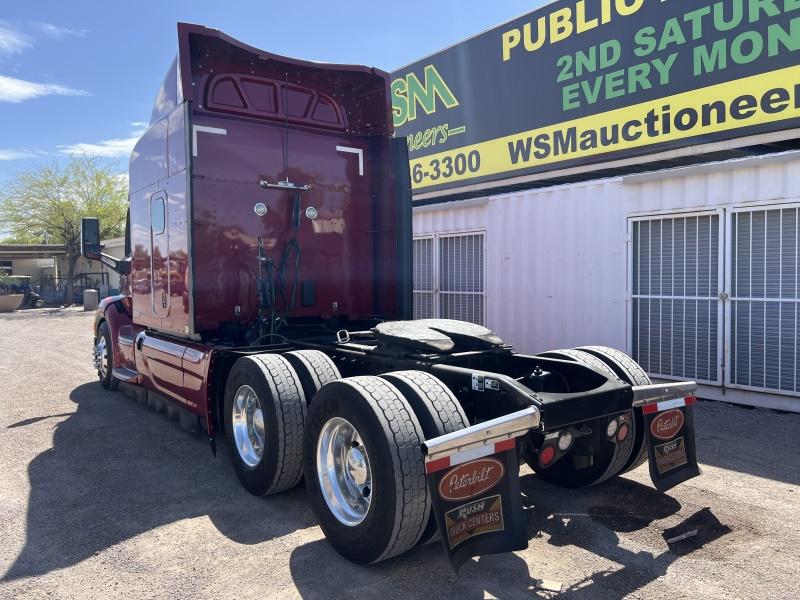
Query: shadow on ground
(590, 519)
(116, 470)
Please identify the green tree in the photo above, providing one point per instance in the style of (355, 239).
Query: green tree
(54, 198)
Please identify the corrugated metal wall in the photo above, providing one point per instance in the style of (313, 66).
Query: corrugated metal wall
(557, 259)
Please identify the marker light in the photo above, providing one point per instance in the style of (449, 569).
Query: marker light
(611, 429)
(546, 455)
(564, 441)
(622, 433)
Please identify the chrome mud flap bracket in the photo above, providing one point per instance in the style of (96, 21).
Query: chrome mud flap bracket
(473, 477)
(668, 412)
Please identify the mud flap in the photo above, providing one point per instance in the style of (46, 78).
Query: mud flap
(477, 502)
(671, 446)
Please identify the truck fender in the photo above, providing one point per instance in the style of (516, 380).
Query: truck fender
(112, 310)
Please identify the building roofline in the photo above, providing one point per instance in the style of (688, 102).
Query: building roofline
(26, 250)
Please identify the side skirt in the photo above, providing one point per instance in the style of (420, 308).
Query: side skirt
(187, 420)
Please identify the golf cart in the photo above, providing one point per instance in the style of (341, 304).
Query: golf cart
(21, 284)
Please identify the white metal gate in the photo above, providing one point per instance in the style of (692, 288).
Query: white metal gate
(676, 311)
(715, 296)
(449, 277)
(762, 342)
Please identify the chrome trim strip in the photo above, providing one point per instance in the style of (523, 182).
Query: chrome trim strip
(505, 427)
(647, 394)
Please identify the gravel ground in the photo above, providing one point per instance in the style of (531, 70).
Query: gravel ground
(102, 498)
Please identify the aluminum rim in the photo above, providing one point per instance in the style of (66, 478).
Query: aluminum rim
(248, 426)
(343, 471)
(101, 357)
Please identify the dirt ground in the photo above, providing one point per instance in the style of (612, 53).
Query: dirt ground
(102, 498)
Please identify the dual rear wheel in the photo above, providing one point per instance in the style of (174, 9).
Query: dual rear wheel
(384, 420)
(610, 458)
(266, 401)
(356, 440)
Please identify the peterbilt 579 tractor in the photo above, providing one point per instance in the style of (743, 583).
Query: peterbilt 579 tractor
(267, 298)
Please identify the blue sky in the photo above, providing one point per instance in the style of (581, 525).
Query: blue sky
(80, 76)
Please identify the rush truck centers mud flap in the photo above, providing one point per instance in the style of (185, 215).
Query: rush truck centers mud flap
(474, 485)
(473, 473)
(671, 448)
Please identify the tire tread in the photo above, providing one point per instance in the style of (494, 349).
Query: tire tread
(444, 408)
(318, 365)
(402, 429)
(438, 411)
(632, 374)
(290, 405)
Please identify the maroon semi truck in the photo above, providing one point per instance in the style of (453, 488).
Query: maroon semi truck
(267, 299)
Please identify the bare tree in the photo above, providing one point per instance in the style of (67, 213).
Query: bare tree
(54, 198)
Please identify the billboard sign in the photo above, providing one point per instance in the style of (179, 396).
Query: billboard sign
(582, 82)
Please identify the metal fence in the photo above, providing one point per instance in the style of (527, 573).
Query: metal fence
(53, 290)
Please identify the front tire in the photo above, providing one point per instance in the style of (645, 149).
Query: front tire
(359, 430)
(265, 411)
(104, 358)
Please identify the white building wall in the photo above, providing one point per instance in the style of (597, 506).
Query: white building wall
(36, 268)
(113, 247)
(557, 257)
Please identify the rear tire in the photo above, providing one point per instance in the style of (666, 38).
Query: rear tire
(629, 371)
(314, 368)
(611, 458)
(266, 459)
(438, 412)
(390, 433)
(581, 356)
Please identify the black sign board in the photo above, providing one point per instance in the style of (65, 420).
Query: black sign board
(582, 82)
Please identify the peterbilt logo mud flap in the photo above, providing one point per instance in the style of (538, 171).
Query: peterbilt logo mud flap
(670, 432)
(477, 503)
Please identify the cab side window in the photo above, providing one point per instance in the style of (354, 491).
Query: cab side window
(157, 215)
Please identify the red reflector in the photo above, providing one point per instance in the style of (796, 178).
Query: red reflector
(437, 465)
(690, 400)
(622, 433)
(649, 408)
(505, 445)
(546, 455)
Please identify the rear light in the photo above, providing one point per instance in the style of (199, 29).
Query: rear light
(622, 433)
(564, 441)
(546, 455)
(611, 428)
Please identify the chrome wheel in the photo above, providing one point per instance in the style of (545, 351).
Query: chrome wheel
(343, 471)
(101, 357)
(248, 425)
